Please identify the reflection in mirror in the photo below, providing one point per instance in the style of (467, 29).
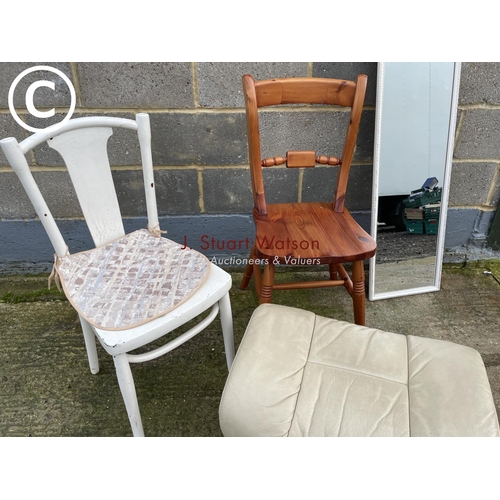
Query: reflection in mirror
(415, 124)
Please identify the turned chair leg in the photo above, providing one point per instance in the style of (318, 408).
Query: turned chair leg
(257, 279)
(266, 292)
(358, 292)
(333, 271)
(248, 269)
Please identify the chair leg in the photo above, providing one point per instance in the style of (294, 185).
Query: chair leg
(333, 271)
(257, 279)
(266, 293)
(248, 269)
(226, 319)
(90, 344)
(127, 387)
(358, 292)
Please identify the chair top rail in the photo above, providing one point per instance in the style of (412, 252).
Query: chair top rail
(96, 131)
(85, 122)
(305, 90)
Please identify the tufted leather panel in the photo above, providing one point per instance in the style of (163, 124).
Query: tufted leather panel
(299, 374)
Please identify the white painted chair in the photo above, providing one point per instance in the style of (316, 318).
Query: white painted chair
(82, 143)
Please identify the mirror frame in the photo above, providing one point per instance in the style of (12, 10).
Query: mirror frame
(372, 295)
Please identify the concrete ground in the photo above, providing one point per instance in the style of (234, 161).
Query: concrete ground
(46, 388)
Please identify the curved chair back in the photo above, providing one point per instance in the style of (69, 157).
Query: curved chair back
(82, 143)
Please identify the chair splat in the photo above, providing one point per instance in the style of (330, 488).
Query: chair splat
(301, 159)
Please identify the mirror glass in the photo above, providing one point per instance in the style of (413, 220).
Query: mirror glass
(415, 124)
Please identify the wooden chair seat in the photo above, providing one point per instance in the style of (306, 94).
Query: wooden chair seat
(311, 231)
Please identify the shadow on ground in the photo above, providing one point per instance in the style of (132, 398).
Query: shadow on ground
(46, 388)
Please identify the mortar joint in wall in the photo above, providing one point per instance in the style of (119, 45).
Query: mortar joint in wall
(76, 82)
(495, 184)
(196, 97)
(300, 183)
(201, 201)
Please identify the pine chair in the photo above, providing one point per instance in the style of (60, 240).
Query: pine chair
(316, 232)
(131, 289)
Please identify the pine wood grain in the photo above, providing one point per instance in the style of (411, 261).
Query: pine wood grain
(306, 233)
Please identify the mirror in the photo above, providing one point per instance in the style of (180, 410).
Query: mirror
(416, 113)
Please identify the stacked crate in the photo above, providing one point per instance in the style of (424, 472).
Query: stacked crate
(422, 209)
(431, 217)
(414, 220)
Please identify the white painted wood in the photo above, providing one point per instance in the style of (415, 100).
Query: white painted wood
(85, 154)
(77, 123)
(127, 388)
(379, 103)
(405, 292)
(82, 143)
(226, 319)
(173, 344)
(447, 175)
(90, 344)
(144, 133)
(17, 160)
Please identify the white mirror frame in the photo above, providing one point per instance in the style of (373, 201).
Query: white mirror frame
(372, 295)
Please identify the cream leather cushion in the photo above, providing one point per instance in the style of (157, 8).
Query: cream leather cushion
(299, 374)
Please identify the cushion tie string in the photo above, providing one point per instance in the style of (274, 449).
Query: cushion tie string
(54, 275)
(156, 231)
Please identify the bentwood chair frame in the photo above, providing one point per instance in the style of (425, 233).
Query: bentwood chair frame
(340, 238)
(82, 142)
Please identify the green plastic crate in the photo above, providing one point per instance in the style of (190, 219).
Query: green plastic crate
(432, 211)
(422, 197)
(414, 226)
(431, 226)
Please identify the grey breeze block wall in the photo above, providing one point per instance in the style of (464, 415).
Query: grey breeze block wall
(200, 153)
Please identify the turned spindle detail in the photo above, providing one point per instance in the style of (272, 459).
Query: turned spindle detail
(300, 159)
(328, 160)
(271, 162)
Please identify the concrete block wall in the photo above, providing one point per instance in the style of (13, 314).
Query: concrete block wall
(200, 152)
(475, 176)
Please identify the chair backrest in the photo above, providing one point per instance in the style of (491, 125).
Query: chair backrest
(82, 143)
(279, 91)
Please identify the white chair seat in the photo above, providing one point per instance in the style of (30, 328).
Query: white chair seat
(131, 280)
(213, 289)
(299, 374)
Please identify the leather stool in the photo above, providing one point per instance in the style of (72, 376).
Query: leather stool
(300, 374)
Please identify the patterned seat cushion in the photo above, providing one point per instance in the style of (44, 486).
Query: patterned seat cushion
(132, 280)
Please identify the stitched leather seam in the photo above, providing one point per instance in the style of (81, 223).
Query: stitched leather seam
(303, 371)
(358, 372)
